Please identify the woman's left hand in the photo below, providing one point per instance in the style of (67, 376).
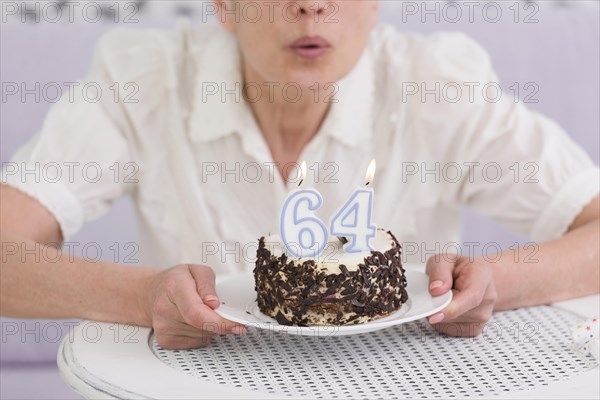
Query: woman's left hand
(474, 293)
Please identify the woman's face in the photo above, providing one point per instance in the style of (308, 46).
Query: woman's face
(304, 42)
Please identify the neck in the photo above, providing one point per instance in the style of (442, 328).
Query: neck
(286, 126)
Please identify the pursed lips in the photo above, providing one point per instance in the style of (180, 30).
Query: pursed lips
(310, 47)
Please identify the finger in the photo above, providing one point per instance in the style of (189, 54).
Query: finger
(466, 299)
(195, 312)
(181, 291)
(205, 284)
(213, 322)
(174, 328)
(200, 319)
(472, 323)
(179, 342)
(460, 329)
(439, 268)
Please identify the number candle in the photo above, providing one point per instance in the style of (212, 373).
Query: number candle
(303, 234)
(354, 219)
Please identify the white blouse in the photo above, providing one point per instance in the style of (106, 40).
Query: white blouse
(171, 130)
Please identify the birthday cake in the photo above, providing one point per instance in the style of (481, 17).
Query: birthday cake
(336, 288)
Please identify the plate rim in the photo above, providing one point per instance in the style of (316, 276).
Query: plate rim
(357, 328)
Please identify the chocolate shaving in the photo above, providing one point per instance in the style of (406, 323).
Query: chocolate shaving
(282, 319)
(344, 270)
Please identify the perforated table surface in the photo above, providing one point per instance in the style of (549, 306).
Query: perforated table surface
(522, 353)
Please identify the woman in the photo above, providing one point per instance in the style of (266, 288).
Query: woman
(207, 125)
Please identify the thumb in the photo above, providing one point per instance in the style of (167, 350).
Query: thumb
(439, 268)
(205, 284)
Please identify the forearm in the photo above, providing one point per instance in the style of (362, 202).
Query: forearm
(564, 268)
(52, 284)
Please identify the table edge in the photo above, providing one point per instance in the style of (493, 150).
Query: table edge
(82, 365)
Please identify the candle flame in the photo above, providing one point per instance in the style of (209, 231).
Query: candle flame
(302, 172)
(370, 172)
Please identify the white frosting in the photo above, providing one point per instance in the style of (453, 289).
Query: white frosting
(334, 253)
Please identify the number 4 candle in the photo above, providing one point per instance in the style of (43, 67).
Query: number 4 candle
(354, 219)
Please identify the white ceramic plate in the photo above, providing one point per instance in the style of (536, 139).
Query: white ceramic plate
(238, 304)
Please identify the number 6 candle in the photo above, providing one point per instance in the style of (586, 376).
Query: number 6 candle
(354, 219)
(303, 234)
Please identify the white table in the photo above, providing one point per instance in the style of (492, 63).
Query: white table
(100, 360)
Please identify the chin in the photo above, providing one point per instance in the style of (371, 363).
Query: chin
(311, 79)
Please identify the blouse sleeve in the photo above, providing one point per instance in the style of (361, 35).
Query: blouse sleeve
(79, 161)
(517, 166)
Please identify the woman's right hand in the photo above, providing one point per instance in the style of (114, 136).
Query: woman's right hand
(181, 305)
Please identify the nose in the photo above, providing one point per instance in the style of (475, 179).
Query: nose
(313, 8)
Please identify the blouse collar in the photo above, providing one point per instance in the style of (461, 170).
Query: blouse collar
(219, 109)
